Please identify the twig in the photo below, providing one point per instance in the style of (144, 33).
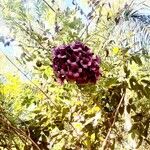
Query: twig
(19, 132)
(115, 116)
(49, 6)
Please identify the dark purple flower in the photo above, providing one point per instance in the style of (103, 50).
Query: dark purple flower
(86, 62)
(76, 62)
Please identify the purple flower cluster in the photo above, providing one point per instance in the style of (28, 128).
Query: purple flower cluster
(76, 62)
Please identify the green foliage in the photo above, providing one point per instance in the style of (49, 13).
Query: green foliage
(74, 116)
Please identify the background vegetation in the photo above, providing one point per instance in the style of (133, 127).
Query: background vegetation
(41, 114)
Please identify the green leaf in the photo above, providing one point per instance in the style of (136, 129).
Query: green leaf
(133, 107)
(133, 83)
(121, 110)
(137, 60)
(128, 109)
(147, 91)
(110, 81)
(45, 76)
(130, 101)
(45, 38)
(127, 71)
(146, 81)
(44, 139)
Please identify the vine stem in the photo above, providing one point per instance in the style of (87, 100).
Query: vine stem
(49, 6)
(115, 116)
(21, 134)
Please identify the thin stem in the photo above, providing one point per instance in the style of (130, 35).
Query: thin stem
(49, 6)
(17, 131)
(115, 116)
